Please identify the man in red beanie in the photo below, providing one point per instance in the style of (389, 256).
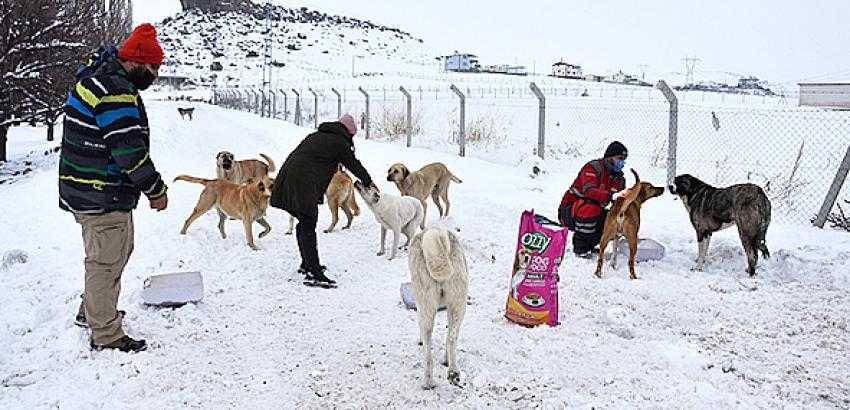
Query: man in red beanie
(104, 167)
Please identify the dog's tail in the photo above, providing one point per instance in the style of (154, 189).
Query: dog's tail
(436, 248)
(629, 198)
(454, 178)
(192, 179)
(269, 162)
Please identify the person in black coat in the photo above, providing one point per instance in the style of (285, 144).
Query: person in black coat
(305, 175)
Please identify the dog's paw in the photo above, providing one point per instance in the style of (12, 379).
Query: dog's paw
(598, 274)
(428, 385)
(454, 377)
(697, 268)
(328, 230)
(264, 233)
(346, 227)
(381, 253)
(253, 247)
(288, 233)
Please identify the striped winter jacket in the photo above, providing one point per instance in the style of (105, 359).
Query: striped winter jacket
(105, 161)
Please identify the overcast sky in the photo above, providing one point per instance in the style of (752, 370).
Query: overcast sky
(778, 40)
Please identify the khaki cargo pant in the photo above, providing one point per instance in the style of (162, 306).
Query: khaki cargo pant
(108, 240)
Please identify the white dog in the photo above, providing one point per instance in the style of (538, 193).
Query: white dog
(401, 214)
(439, 276)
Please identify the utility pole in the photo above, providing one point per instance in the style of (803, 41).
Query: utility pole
(643, 68)
(690, 63)
(267, 54)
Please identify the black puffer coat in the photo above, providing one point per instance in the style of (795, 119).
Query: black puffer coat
(308, 170)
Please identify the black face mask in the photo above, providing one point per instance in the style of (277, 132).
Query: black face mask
(141, 77)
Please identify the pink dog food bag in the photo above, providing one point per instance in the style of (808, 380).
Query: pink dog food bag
(533, 292)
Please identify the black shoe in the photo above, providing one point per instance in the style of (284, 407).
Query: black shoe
(81, 320)
(124, 344)
(319, 276)
(588, 254)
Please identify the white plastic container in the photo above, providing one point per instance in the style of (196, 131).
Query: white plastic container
(647, 250)
(408, 298)
(173, 289)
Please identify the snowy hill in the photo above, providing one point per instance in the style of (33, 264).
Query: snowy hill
(674, 338)
(305, 43)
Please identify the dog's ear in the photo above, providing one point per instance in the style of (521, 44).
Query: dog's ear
(405, 172)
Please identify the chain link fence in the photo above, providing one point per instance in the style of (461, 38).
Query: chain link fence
(792, 152)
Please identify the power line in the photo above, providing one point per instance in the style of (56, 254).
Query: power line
(690, 63)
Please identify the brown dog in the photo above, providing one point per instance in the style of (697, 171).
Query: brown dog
(624, 220)
(247, 202)
(431, 179)
(340, 194)
(240, 172)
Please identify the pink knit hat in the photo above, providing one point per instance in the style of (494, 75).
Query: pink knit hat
(349, 123)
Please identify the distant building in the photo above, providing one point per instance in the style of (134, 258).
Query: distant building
(831, 95)
(750, 82)
(505, 69)
(461, 62)
(566, 70)
(176, 81)
(594, 77)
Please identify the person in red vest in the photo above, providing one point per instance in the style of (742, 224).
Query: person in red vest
(583, 206)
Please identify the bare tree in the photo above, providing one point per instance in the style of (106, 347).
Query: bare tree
(42, 41)
(118, 21)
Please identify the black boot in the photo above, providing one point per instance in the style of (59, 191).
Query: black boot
(124, 344)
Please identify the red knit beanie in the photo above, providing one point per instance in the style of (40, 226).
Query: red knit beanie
(141, 46)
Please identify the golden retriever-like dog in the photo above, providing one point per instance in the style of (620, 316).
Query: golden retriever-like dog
(240, 172)
(624, 220)
(247, 202)
(431, 179)
(340, 195)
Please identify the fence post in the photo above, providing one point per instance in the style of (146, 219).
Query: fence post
(673, 129)
(834, 189)
(338, 103)
(315, 108)
(541, 121)
(285, 107)
(462, 136)
(367, 110)
(262, 103)
(409, 116)
(297, 107)
(274, 104)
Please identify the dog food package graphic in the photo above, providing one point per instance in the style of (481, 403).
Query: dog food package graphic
(533, 292)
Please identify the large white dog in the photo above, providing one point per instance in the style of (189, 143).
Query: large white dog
(439, 276)
(401, 214)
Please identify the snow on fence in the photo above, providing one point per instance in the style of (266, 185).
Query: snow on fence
(793, 153)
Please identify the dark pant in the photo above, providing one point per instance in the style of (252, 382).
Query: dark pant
(588, 232)
(305, 233)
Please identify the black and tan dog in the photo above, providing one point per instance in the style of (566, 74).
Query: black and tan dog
(186, 112)
(239, 172)
(247, 202)
(712, 209)
(624, 220)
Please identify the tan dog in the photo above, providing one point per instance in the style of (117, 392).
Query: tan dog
(247, 202)
(340, 194)
(240, 172)
(624, 220)
(431, 179)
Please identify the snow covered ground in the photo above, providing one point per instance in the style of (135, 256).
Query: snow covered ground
(260, 339)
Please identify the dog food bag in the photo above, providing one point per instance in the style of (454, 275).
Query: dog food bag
(533, 292)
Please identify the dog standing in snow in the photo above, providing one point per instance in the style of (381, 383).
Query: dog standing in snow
(439, 276)
(401, 214)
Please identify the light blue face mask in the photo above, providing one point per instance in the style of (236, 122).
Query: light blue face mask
(619, 164)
